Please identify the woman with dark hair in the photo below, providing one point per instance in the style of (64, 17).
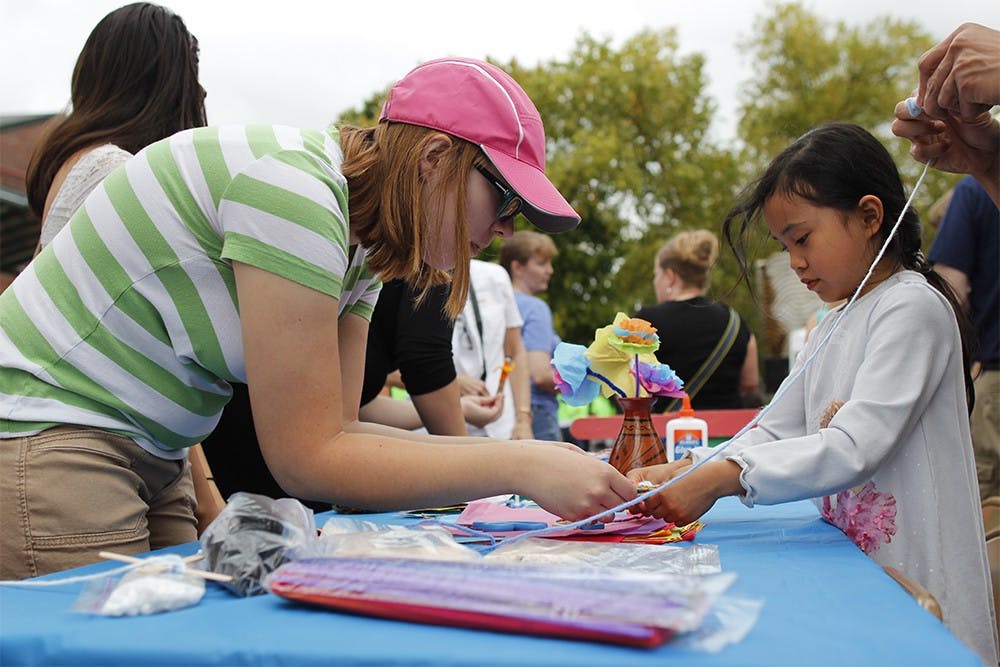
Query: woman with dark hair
(135, 82)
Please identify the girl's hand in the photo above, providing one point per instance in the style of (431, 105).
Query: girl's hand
(690, 497)
(657, 475)
(482, 410)
(570, 483)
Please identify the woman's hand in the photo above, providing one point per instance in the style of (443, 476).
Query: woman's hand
(955, 145)
(568, 482)
(961, 74)
(959, 84)
(689, 498)
(482, 410)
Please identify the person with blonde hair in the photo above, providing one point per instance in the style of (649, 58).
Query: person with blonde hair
(705, 342)
(528, 256)
(255, 254)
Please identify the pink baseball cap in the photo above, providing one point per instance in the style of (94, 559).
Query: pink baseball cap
(479, 102)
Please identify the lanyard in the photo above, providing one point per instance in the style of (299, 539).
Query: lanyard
(479, 327)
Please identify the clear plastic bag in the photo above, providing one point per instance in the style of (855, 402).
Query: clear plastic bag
(681, 588)
(254, 535)
(727, 622)
(158, 586)
(355, 538)
(585, 595)
(652, 558)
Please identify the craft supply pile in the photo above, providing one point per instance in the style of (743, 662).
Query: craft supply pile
(472, 565)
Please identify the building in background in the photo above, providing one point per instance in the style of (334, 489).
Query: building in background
(19, 228)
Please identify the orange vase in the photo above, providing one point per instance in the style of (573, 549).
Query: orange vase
(638, 443)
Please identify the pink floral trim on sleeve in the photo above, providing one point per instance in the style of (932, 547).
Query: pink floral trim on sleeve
(866, 516)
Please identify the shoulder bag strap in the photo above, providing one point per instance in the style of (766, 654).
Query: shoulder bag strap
(713, 360)
(479, 328)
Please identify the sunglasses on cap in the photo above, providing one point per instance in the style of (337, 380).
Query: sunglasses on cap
(511, 202)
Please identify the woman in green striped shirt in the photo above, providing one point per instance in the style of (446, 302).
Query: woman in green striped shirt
(256, 254)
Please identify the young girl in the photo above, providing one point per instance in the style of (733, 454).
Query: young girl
(254, 254)
(878, 424)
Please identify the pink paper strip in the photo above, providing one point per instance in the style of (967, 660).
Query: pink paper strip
(624, 523)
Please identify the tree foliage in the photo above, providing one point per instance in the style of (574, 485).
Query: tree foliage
(629, 145)
(808, 71)
(629, 148)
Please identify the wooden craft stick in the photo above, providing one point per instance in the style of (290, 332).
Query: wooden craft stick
(212, 576)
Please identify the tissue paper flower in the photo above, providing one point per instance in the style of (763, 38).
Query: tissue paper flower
(659, 380)
(620, 356)
(633, 335)
(571, 374)
(865, 515)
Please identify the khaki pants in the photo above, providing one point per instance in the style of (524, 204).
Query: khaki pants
(70, 492)
(986, 432)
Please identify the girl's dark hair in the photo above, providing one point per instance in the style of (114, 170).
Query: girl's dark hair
(135, 82)
(834, 166)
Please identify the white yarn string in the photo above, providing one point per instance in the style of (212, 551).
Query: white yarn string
(767, 408)
(170, 562)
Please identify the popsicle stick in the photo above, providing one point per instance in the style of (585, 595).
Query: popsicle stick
(212, 576)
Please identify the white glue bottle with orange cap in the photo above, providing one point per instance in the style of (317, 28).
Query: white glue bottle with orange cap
(685, 432)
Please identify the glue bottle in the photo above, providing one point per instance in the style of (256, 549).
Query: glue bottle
(685, 432)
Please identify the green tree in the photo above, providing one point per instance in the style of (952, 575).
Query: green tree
(808, 71)
(629, 148)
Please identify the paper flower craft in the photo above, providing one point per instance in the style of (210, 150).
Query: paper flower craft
(620, 356)
(505, 369)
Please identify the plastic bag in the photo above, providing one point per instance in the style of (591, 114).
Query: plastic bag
(254, 535)
(655, 559)
(592, 596)
(158, 586)
(356, 538)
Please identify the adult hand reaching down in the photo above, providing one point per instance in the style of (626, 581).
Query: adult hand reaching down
(584, 486)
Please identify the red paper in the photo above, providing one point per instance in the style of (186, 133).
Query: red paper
(629, 635)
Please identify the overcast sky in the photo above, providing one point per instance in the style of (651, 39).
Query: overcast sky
(302, 62)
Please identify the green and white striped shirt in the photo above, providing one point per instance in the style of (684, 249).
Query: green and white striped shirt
(129, 321)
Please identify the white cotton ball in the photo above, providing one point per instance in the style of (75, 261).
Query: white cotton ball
(144, 593)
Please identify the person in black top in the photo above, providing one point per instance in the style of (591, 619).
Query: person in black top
(692, 327)
(414, 338)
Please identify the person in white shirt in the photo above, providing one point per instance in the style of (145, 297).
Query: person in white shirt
(876, 428)
(486, 332)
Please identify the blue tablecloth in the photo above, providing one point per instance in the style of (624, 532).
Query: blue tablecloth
(825, 603)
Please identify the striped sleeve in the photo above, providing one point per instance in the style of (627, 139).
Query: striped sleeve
(286, 213)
